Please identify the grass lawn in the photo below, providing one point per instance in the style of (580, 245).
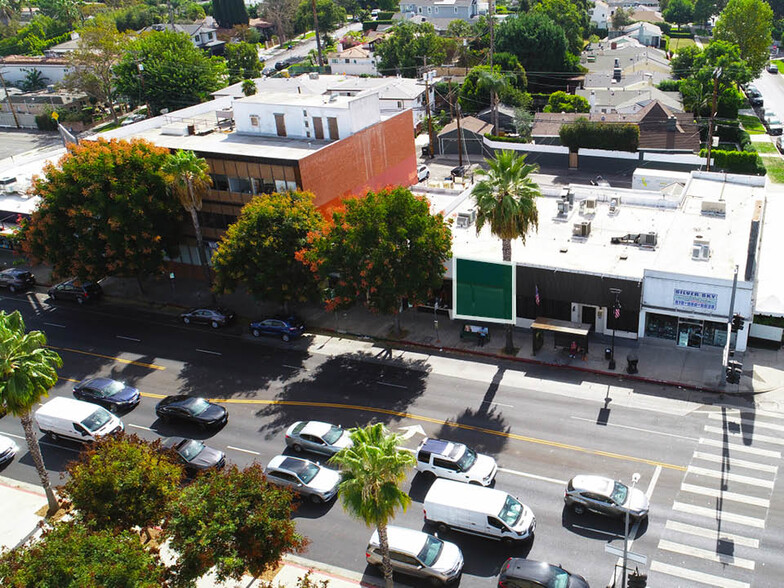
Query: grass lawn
(751, 124)
(765, 147)
(779, 63)
(775, 167)
(678, 44)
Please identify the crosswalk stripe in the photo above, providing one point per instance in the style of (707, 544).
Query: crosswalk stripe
(711, 534)
(741, 448)
(724, 495)
(738, 562)
(713, 514)
(755, 437)
(695, 576)
(735, 462)
(768, 413)
(754, 423)
(698, 471)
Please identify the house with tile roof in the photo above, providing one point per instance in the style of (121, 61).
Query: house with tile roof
(201, 34)
(355, 61)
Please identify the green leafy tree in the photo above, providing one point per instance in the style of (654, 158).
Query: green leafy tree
(524, 123)
(281, 14)
(330, 16)
(459, 29)
(28, 370)
(373, 469)
(65, 11)
(683, 62)
(570, 16)
(259, 250)
(679, 12)
(229, 13)
(243, 61)
(703, 10)
(506, 201)
(496, 82)
(384, 247)
(104, 211)
(476, 92)
(621, 17)
(408, 48)
(71, 555)
(122, 482)
(33, 81)
(562, 102)
(248, 87)
(9, 10)
(748, 24)
(233, 521)
(698, 86)
(525, 36)
(174, 74)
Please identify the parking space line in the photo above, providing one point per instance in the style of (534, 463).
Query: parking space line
(243, 450)
(55, 325)
(140, 427)
(208, 351)
(533, 476)
(128, 338)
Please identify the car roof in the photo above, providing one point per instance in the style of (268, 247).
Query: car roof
(438, 446)
(315, 428)
(296, 465)
(518, 567)
(401, 539)
(590, 483)
(173, 442)
(95, 382)
(179, 399)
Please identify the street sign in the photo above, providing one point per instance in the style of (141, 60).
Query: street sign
(630, 555)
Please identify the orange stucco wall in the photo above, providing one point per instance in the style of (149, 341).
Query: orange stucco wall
(378, 156)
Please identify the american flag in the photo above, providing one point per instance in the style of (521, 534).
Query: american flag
(617, 312)
(537, 295)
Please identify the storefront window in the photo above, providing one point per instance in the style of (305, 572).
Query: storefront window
(689, 333)
(714, 334)
(661, 326)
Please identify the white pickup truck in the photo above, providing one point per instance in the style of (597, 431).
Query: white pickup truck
(455, 461)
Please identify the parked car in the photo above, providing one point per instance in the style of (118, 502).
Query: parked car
(76, 420)
(773, 124)
(16, 279)
(305, 477)
(458, 172)
(317, 437)
(519, 572)
(423, 173)
(129, 120)
(215, 317)
(418, 554)
(455, 461)
(772, 68)
(286, 328)
(192, 409)
(8, 449)
(195, 455)
(111, 394)
(73, 289)
(605, 496)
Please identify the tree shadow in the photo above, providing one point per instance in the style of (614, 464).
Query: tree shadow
(601, 528)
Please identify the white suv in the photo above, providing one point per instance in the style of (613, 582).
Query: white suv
(455, 461)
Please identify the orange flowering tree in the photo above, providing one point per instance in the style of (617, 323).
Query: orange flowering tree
(258, 251)
(104, 210)
(379, 250)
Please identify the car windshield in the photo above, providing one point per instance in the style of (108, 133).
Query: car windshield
(196, 406)
(431, 550)
(333, 435)
(308, 472)
(619, 493)
(466, 460)
(191, 449)
(97, 420)
(559, 578)
(511, 512)
(112, 388)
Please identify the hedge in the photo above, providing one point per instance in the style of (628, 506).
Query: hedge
(670, 85)
(680, 35)
(493, 137)
(600, 135)
(383, 16)
(737, 162)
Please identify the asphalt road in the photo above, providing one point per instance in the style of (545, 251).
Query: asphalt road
(772, 88)
(543, 426)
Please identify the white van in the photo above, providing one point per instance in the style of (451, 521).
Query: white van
(476, 510)
(76, 420)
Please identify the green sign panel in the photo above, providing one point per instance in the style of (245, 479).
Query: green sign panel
(484, 291)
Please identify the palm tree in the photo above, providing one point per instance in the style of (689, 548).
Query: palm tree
(27, 373)
(373, 469)
(506, 200)
(248, 87)
(188, 177)
(496, 82)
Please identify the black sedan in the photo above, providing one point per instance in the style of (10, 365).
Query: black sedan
(195, 455)
(111, 394)
(192, 409)
(527, 572)
(79, 292)
(16, 279)
(215, 317)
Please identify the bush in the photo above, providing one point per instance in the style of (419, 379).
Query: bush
(45, 122)
(384, 16)
(492, 137)
(681, 35)
(737, 162)
(669, 85)
(600, 135)
(665, 27)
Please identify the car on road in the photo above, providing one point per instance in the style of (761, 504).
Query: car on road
(773, 124)
(772, 68)
(518, 572)
(16, 279)
(754, 95)
(194, 455)
(77, 291)
(193, 410)
(111, 394)
(455, 461)
(423, 173)
(215, 317)
(317, 437)
(307, 478)
(458, 171)
(605, 496)
(8, 449)
(418, 554)
(287, 328)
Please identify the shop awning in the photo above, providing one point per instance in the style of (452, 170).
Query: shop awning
(564, 327)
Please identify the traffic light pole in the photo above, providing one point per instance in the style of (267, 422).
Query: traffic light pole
(728, 346)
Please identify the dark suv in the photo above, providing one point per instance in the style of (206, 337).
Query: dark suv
(73, 289)
(16, 279)
(526, 573)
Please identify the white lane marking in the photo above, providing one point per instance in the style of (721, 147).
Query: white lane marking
(58, 446)
(698, 471)
(654, 479)
(128, 338)
(139, 427)
(55, 325)
(637, 429)
(695, 576)
(15, 436)
(755, 437)
(735, 462)
(741, 448)
(243, 450)
(711, 534)
(753, 423)
(533, 476)
(724, 495)
(293, 367)
(390, 385)
(713, 514)
(738, 562)
(497, 403)
(208, 351)
(600, 532)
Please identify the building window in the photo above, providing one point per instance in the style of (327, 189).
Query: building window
(209, 36)
(307, 124)
(455, 9)
(347, 60)
(220, 182)
(307, 134)
(304, 113)
(254, 120)
(284, 186)
(241, 185)
(661, 326)
(436, 10)
(280, 124)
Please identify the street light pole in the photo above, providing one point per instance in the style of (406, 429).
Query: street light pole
(616, 312)
(635, 479)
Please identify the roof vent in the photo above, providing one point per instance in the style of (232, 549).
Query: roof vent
(581, 230)
(700, 250)
(466, 219)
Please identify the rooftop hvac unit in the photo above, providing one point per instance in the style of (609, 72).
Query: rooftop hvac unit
(467, 218)
(582, 229)
(588, 206)
(613, 206)
(718, 208)
(563, 207)
(700, 250)
(648, 239)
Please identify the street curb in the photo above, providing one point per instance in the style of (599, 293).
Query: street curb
(334, 572)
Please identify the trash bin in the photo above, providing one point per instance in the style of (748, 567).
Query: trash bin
(607, 353)
(631, 363)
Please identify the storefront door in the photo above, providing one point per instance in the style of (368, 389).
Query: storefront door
(689, 333)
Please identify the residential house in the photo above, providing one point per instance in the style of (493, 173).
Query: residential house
(28, 105)
(645, 14)
(439, 9)
(16, 67)
(264, 28)
(506, 117)
(644, 32)
(355, 61)
(202, 35)
(469, 139)
(64, 48)
(629, 99)
(601, 15)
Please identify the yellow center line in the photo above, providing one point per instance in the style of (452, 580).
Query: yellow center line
(152, 366)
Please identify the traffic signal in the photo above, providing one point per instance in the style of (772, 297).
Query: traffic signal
(737, 323)
(637, 580)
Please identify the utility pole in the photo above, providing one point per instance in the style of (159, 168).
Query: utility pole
(716, 75)
(10, 104)
(318, 37)
(459, 136)
(426, 75)
(140, 67)
(490, 8)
